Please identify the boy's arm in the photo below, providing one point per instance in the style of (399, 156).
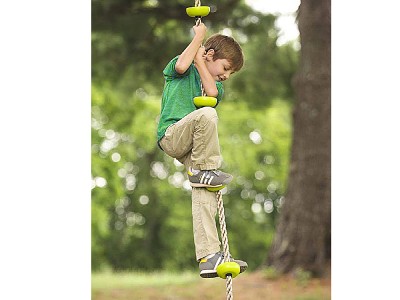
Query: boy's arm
(206, 78)
(187, 56)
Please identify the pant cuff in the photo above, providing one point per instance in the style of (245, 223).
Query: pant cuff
(203, 253)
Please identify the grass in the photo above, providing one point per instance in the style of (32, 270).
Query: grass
(127, 280)
(189, 286)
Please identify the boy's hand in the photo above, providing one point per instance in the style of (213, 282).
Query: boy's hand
(191, 51)
(199, 55)
(200, 30)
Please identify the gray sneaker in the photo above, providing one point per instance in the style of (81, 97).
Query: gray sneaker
(208, 266)
(209, 178)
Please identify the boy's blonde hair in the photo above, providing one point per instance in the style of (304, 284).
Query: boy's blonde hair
(225, 47)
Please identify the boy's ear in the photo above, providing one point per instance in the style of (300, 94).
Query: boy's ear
(210, 53)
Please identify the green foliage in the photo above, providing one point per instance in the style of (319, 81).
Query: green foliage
(255, 147)
(141, 202)
(142, 216)
(133, 41)
(268, 68)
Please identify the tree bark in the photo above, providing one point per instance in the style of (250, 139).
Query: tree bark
(303, 234)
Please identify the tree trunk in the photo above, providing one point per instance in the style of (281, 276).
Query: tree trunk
(303, 235)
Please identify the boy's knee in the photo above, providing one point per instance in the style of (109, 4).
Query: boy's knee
(209, 113)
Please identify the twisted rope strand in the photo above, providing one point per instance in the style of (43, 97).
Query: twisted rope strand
(197, 23)
(225, 244)
(221, 213)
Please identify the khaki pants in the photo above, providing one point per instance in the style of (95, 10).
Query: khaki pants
(194, 142)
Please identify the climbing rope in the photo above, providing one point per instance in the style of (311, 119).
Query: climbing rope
(230, 271)
(198, 21)
(196, 4)
(225, 244)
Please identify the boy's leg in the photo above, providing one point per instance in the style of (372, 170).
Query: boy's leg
(207, 244)
(194, 140)
(204, 210)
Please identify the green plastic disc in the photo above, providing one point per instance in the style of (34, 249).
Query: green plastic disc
(215, 189)
(228, 268)
(198, 11)
(202, 101)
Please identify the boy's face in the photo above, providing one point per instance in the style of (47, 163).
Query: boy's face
(220, 69)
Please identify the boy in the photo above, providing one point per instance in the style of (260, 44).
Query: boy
(190, 135)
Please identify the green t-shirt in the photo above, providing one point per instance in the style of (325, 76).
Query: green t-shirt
(178, 94)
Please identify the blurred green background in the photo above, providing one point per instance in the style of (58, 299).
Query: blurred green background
(141, 203)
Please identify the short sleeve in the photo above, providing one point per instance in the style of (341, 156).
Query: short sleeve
(220, 89)
(170, 72)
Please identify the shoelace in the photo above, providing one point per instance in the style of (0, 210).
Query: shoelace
(217, 173)
(223, 255)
